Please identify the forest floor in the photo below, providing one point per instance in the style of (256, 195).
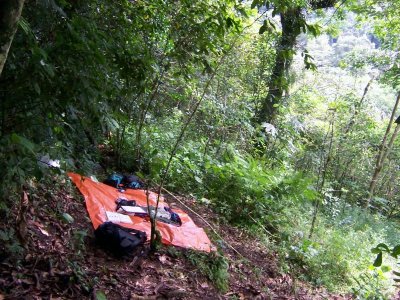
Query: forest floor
(61, 260)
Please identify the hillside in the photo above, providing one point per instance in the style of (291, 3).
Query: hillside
(63, 261)
(276, 123)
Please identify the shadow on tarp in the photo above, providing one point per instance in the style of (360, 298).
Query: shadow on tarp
(100, 198)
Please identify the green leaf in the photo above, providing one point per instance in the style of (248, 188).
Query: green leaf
(263, 28)
(267, 26)
(396, 251)
(376, 251)
(255, 4)
(229, 22)
(140, 175)
(378, 260)
(314, 29)
(242, 11)
(27, 144)
(385, 269)
(37, 88)
(68, 218)
(25, 26)
(383, 247)
(100, 295)
(198, 179)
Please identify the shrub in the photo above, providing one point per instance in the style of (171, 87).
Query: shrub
(214, 266)
(339, 255)
(243, 190)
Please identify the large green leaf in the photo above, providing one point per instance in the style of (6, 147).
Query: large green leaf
(378, 260)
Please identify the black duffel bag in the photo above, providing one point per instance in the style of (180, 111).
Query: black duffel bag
(119, 240)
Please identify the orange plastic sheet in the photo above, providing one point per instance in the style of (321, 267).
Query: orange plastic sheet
(100, 198)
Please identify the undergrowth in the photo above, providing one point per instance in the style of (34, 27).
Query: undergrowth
(247, 192)
(214, 266)
(339, 254)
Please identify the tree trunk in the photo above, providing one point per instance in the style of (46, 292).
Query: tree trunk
(379, 165)
(291, 21)
(10, 12)
(383, 152)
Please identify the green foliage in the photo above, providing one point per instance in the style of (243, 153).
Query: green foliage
(100, 295)
(338, 256)
(10, 244)
(78, 240)
(382, 248)
(53, 105)
(17, 160)
(369, 286)
(267, 26)
(242, 189)
(214, 266)
(81, 278)
(89, 82)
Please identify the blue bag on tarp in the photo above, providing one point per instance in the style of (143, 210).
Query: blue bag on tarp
(114, 180)
(132, 182)
(124, 181)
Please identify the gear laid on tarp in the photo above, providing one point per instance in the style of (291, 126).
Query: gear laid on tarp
(164, 214)
(124, 181)
(100, 203)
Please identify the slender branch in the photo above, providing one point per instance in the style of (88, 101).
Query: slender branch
(208, 224)
(334, 13)
(324, 169)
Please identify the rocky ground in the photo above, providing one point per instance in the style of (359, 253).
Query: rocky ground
(49, 252)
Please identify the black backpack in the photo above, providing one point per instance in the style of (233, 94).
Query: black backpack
(124, 181)
(119, 240)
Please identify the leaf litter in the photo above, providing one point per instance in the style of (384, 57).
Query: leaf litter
(62, 261)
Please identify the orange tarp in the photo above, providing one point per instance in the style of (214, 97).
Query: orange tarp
(100, 198)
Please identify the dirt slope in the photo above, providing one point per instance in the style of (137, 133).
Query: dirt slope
(62, 261)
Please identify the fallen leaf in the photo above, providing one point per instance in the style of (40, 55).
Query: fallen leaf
(163, 259)
(24, 281)
(204, 285)
(139, 297)
(44, 231)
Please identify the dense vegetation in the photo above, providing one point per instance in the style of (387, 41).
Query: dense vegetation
(279, 114)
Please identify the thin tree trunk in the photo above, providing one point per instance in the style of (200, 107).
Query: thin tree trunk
(339, 149)
(10, 12)
(383, 152)
(379, 165)
(278, 82)
(292, 21)
(322, 171)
